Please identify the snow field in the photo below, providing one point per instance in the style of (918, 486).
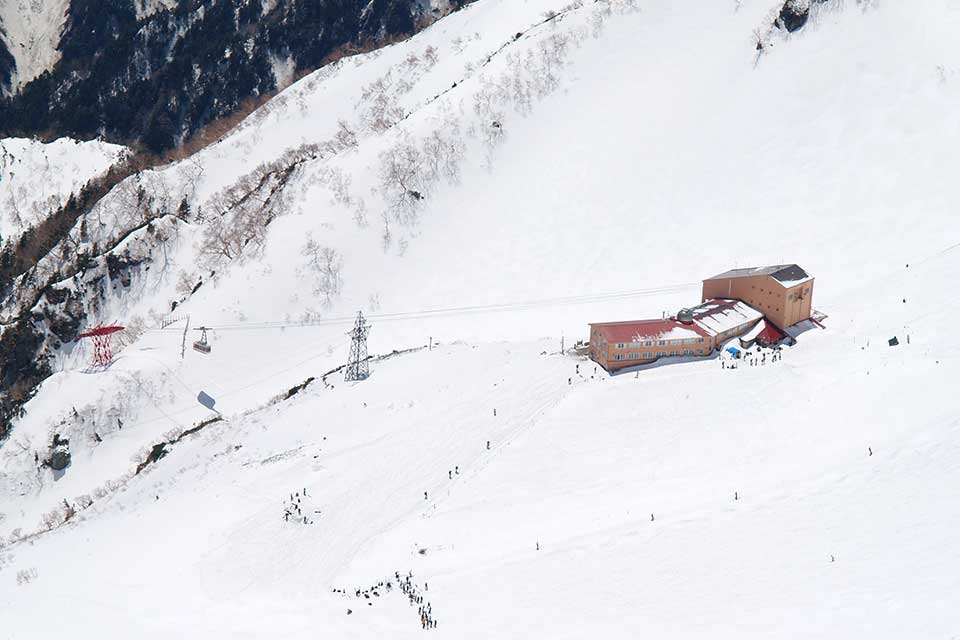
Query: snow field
(37, 178)
(667, 153)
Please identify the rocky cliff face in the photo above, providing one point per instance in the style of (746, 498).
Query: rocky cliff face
(6, 67)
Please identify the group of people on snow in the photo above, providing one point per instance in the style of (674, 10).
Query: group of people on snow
(424, 609)
(292, 509)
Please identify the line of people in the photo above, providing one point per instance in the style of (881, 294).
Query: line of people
(424, 609)
(406, 585)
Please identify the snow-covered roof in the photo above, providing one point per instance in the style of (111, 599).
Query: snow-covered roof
(755, 331)
(717, 315)
(641, 330)
(711, 318)
(786, 274)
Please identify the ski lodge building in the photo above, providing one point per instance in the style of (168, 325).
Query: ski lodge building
(756, 302)
(784, 293)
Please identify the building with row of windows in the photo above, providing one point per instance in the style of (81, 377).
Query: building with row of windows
(692, 332)
(734, 303)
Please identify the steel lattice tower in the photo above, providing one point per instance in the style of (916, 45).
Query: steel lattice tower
(102, 350)
(357, 366)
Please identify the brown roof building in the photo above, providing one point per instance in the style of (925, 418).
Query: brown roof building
(692, 332)
(784, 293)
(758, 301)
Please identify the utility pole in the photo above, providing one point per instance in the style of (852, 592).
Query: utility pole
(183, 343)
(357, 366)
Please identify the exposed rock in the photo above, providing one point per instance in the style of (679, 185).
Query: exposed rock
(59, 454)
(793, 15)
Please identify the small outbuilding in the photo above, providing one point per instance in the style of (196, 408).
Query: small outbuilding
(764, 334)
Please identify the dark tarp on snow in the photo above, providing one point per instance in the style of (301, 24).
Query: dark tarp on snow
(770, 335)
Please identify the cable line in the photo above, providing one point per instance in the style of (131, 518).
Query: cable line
(456, 311)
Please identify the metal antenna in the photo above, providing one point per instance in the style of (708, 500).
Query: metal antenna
(357, 366)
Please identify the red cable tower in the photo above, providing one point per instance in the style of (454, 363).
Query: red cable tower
(102, 351)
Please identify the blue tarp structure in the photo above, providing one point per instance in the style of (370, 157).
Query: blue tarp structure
(206, 401)
(733, 351)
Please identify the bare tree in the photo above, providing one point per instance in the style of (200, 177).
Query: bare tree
(443, 151)
(403, 179)
(326, 264)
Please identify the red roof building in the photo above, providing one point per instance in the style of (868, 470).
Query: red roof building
(692, 332)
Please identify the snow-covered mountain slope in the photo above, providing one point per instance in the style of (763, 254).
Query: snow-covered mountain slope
(508, 175)
(31, 32)
(37, 178)
(150, 73)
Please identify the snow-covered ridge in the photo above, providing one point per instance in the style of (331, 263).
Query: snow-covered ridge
(37, 178)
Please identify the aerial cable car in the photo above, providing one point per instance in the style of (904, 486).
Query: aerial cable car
(202, 345)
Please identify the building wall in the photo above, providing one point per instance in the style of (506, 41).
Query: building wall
(631, 354)
(717, 341)
(598, 347)
(799, 304)
(784, 307)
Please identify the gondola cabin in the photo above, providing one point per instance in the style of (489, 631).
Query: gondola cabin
(202, 345)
